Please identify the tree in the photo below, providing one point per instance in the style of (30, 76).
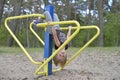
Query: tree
(13, 25)
(112, 25)
(100, 21)
(2, 2)
(87, 12)
(88, 16)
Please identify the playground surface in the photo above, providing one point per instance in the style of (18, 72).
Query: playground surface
(91, 64)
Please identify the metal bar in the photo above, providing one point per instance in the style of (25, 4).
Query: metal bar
(48, 42)
(38, 37)
(81, 49)
(26, 16)
(36, 34)
(63, 45)
(15, 38)
(53, 23)
(90, 41)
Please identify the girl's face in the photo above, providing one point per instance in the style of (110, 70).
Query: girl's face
(62, 55)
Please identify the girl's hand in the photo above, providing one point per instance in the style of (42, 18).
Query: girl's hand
(69, 27)
(49, 23)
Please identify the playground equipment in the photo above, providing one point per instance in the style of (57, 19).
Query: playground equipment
(45, 68)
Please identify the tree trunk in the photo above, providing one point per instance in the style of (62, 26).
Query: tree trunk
(100, 15)
(2, 2)
(14, 23)
(88, 17)
(27, 35)
(46, 2)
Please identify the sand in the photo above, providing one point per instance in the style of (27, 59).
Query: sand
(91, 64)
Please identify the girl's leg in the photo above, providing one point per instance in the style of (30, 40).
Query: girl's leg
(48, 16)
(48, 19)
(56, 19)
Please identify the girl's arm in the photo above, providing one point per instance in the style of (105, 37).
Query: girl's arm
(69, 31)
(56, 40)
(55, 37)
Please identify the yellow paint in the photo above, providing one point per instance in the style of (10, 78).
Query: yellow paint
(44, 65)
(63, 45)
(36, 34)
(16, 39)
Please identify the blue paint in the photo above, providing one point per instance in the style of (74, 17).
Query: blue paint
(49, 40)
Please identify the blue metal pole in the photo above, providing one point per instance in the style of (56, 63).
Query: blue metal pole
(48, 40)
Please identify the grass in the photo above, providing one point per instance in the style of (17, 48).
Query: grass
(14, 50)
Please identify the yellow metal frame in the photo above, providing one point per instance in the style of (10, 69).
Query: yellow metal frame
(15, 38)
(67, 41)
(63, 45)
(37, 36)
(84, 46)
(44, 25)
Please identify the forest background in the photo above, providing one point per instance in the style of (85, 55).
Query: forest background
(103, 13)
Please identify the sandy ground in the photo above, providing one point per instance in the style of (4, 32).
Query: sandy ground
(92, 64)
